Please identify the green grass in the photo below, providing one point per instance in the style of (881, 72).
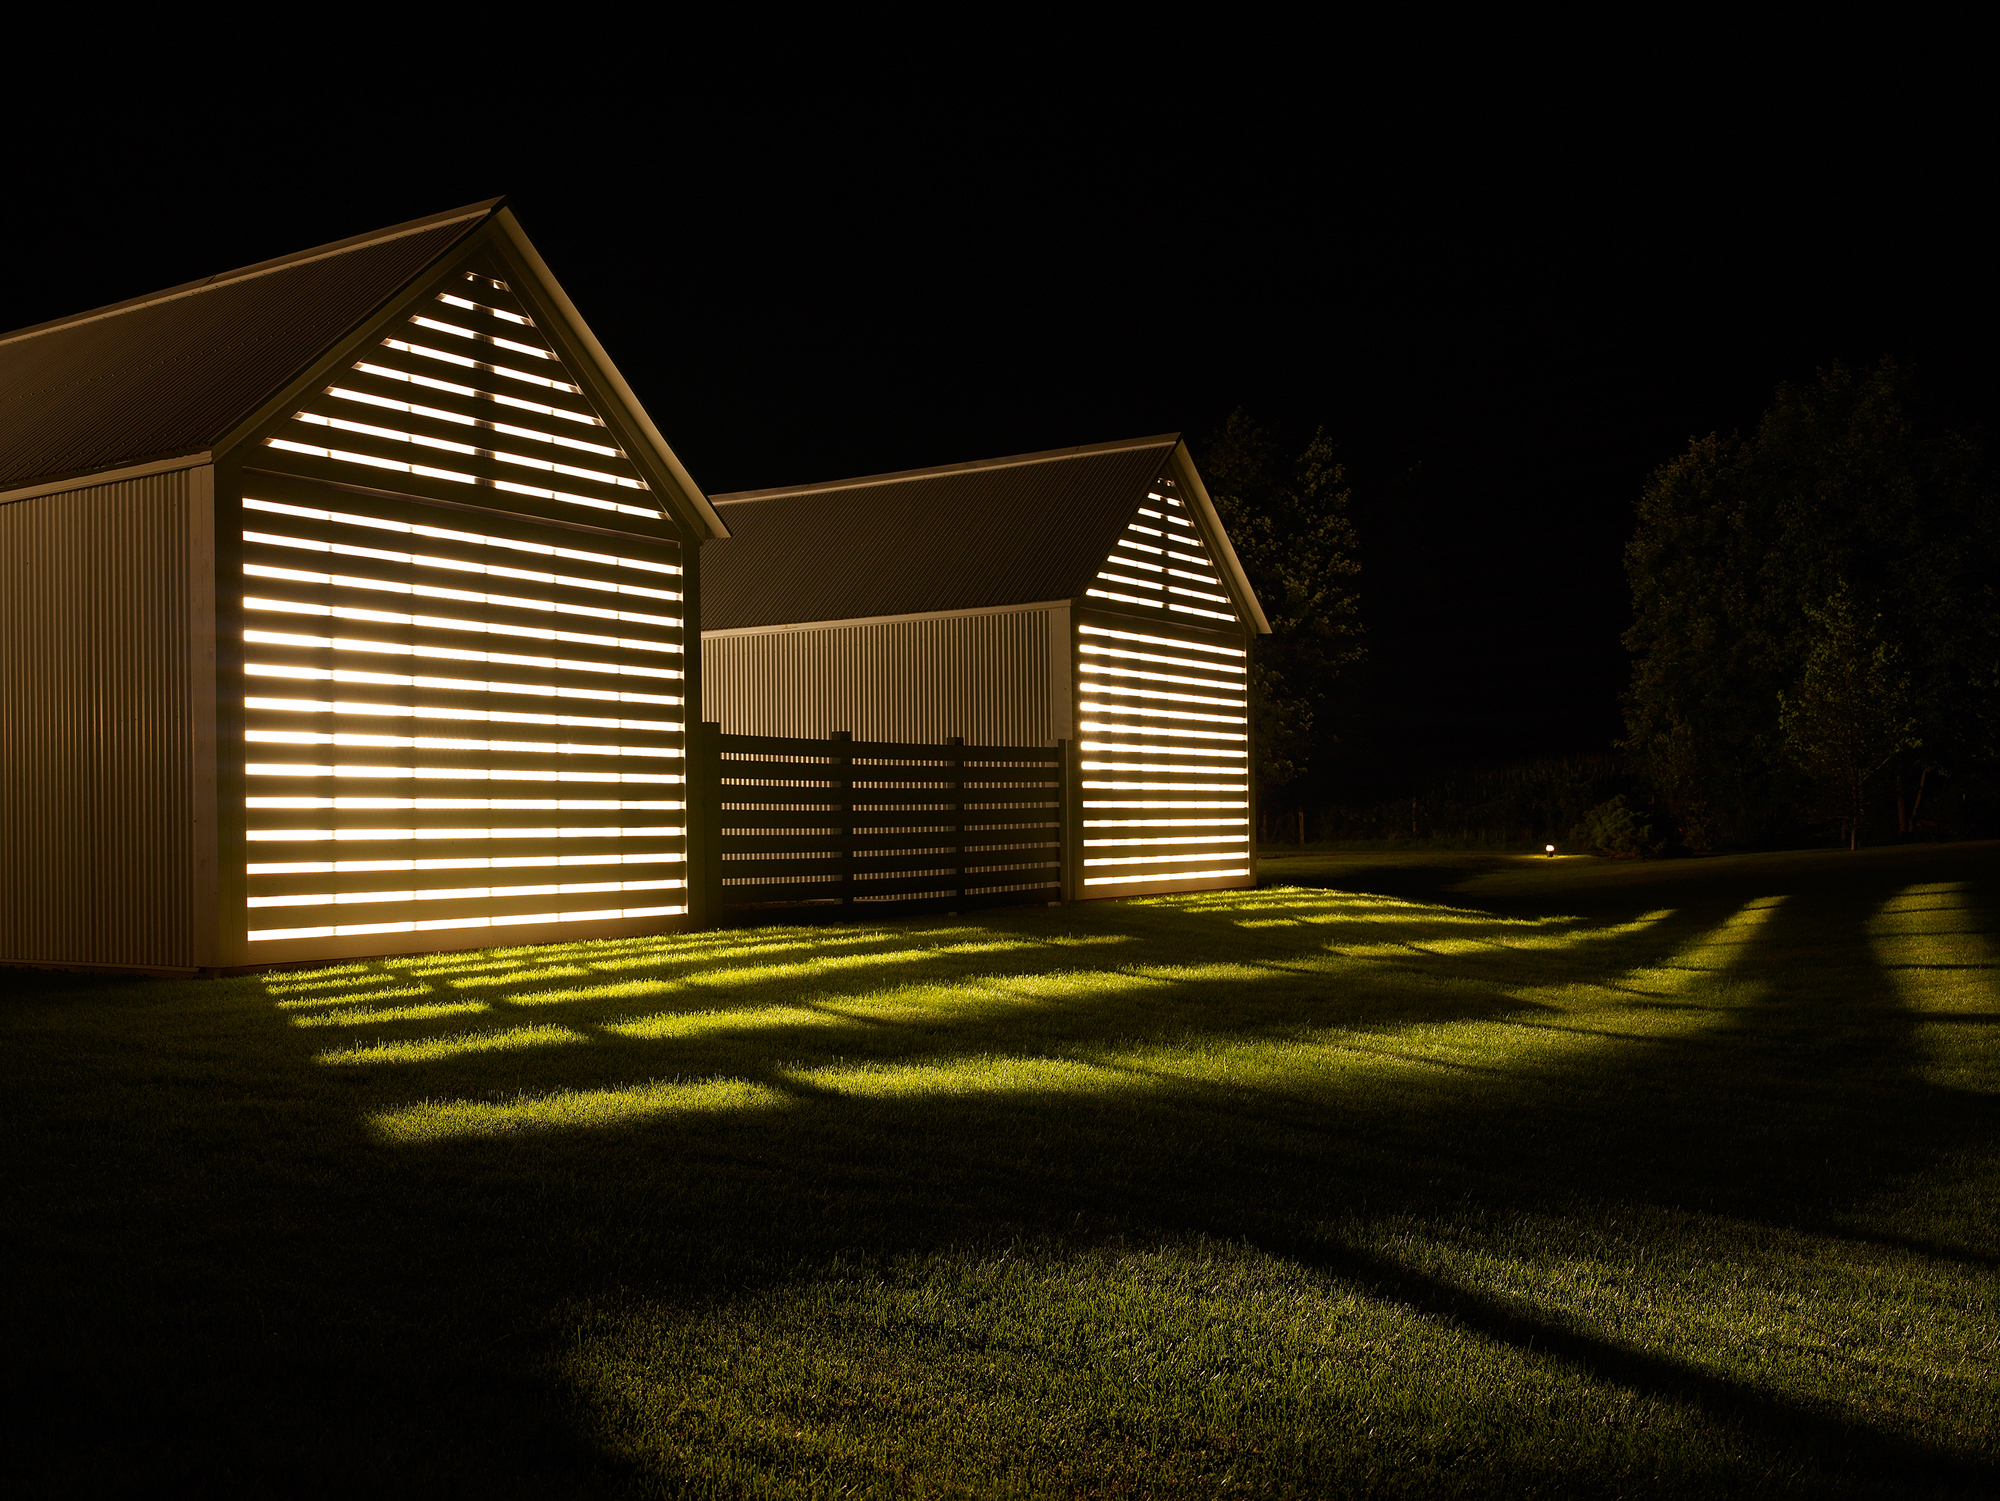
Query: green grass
(1418, 1174)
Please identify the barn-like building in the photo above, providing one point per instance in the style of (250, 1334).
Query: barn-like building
(341, 603)
(1086, 596)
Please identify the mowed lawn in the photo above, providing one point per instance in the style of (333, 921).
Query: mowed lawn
(1396, 1177)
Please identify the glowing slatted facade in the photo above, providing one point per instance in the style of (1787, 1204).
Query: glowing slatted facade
(1086, 598)
(433, 602)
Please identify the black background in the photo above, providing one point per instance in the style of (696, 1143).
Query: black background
(1510, 271)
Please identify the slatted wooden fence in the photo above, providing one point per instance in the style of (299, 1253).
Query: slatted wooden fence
(877, 827)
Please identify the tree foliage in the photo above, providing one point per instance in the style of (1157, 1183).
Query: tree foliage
(1840, 493)
(1287, 519)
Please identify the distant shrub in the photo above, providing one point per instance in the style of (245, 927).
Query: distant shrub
(1612, 828)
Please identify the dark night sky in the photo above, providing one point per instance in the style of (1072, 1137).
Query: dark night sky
(1510, 280)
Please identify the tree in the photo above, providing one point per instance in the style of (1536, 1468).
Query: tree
(1287, 519)
(1845, 483)
(1849, 717)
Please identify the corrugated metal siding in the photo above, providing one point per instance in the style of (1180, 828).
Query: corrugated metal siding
(969, 539)
(166, 380)
(984, 677)
(97, 730)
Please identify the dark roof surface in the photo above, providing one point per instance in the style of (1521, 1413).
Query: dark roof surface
(168, 375)
(971, 536)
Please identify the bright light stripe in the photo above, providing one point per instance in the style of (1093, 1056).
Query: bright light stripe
(448, 623)
(1161, 803)
(1140, 712)
(454, 477)
(1219, 651)
(1092, 649)
(488, 716)
(1240, 839)
(1175, 875)
(1147, 729)
(454, 685)
(1211, 771)
(1112, 578)
(1196, 610)
(355, 930)
(480, 307)
(1216, 599)
(451, 654)
(494, 396)
(477, 337)
(439, 414)
(1133, 562)
(458, 893)
(434, 742)
(1123, 599)
(1195, 578)
(461, 596)
(1218, 751)
(1141, 546)
(1167, 786)
(397, 435)
(477, 539)
(463, 774)
(1105, 669)
(596, 831)
(1163, 695)
(463, 363)
(1166, 823)
(1199, 562)
(1155, 859)
(460, 804)
(483, 862)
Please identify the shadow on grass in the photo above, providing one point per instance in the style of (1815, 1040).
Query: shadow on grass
(248, 1280)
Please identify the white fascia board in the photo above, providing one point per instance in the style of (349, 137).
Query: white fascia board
(1188, 480)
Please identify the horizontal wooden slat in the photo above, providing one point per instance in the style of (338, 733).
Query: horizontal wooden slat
(344, 409)
(475, 465)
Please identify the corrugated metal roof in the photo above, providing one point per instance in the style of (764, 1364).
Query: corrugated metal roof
(969, 536)
(170, 374)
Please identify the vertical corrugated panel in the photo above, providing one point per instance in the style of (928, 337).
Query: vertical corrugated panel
(96, 725)
(983, 677)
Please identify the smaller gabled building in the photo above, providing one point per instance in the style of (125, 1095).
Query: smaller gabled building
(1086, 596)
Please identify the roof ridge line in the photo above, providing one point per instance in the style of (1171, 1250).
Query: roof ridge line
(256, 269)
(898, 476)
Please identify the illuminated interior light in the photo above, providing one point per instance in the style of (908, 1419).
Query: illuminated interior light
(1144, 511)
(1177, 521)
(462, 362)
(589, 831)
(478, 539)
(1161, 766)
(460, 893)
(1166, 823)
(438, 414)
(1123, 599)
(468, 596)
(1140, 546)
(1103, 669)
(450, 623)
(1217, 599)
(480, 307)
(1162, 695)
(501, 455)
(1151, 713)
(1184, 558)
(1091, 724)
(1200, 646)
(452, 654)
(429, 742)
(1116, 748)
(460, 804)
(1236, 839)
(519, 404)
(1167, 787)
(1140, 803)
(453, 685)
(494, 339)
(1196, 610)
(1114, 578)
(1154, 859)
(1187, 875)
(346, 930)
(1133, 563)
(483, 716)
(1198, 578)
(1150, 531)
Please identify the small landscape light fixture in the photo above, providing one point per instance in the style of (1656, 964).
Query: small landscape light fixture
(1551, 849)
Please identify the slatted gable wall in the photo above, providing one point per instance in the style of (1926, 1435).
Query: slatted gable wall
(458, 718)
(1162, 713)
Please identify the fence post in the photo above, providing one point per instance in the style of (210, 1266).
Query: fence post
(957, 745)
(842, 777)
(705, 800)
(1069, 801)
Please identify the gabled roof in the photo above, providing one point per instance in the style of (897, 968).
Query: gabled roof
(170, 374)
(1027, 529)
(185, 372)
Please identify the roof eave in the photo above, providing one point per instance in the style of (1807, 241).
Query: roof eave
(1188, 479)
